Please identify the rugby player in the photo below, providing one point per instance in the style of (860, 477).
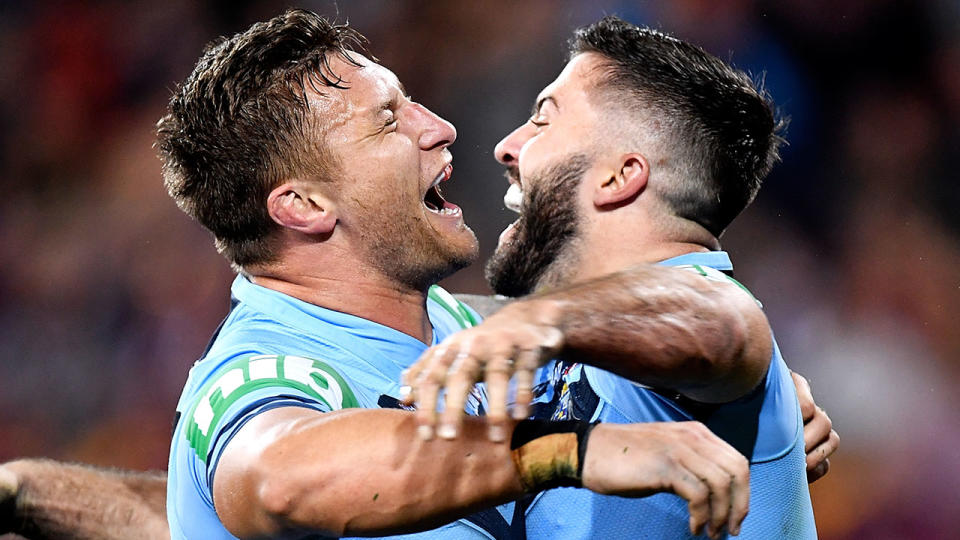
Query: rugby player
(643, 150)
(283, 391)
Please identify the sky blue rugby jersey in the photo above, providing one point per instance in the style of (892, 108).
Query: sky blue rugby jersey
(272, 351)
(765, 426)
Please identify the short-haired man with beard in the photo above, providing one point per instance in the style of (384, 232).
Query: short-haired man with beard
(642, 151)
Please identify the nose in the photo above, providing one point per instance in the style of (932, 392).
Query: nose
(437, 132)
(507, 150)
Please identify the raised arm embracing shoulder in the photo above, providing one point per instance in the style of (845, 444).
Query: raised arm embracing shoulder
(665, 327)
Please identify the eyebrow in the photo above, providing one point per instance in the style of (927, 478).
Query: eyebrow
(393, 101)
(536, 108)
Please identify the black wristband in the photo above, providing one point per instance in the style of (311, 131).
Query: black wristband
(529, 430)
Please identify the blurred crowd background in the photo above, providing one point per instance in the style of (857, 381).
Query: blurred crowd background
(108, 293)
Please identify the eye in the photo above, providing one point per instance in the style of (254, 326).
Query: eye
(390, 122)
(538, 120)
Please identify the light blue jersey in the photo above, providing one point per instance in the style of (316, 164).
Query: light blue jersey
(272, 351)
(765, 426)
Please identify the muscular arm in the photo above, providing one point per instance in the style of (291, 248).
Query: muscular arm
(365, 472)
(656, 325)
(821, 440)
(705, 338)
(49, 499)
(355, 472)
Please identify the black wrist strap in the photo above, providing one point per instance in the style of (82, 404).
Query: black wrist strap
(529, 430)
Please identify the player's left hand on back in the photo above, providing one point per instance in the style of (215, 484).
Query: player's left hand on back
(819, 437)
(514, 342)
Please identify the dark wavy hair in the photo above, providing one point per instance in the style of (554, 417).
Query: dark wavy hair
(720, 126)
(239, 125)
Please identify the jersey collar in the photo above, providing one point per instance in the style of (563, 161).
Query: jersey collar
(304, 315)
(718, 260)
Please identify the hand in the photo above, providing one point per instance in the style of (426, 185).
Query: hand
(820, 440)
(685, 458)
(9, 487)
(513, 342)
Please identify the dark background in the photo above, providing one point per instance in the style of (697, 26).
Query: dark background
(108, 293)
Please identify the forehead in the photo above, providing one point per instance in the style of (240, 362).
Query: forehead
(576, 82)
(369, 87)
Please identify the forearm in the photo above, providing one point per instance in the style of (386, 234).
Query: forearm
(663, 327)
(67, 501)
(357, 472)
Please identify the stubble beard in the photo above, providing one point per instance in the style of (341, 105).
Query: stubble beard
(542, 252)
(406, 252)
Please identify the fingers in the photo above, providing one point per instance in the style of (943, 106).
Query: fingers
(818, 462)
(818, 472)
(527, 363)
(816, 430)
(430, 376)
(726, 474)
(687, 485)
(497, 378)
(460, 380)
(804, 396)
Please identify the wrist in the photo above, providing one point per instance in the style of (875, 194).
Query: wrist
(549, 454)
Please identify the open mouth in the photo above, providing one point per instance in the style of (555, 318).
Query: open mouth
(434, 200)
(513, 199)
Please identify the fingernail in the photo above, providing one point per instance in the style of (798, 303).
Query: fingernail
(405, 391)
(446, 431)
(496, 433)
(425, 432)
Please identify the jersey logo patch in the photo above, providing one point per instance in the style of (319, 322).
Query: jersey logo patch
(244, 375)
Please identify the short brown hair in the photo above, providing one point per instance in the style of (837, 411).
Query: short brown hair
(723, 127)
(238, 126)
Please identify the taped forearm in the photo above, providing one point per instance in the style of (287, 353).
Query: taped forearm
(549, 454)
(67, 501)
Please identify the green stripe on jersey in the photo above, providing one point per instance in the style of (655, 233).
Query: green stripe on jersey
(453, 306)
(716, 275)
(244, 375)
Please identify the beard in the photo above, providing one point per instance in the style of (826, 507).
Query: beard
(544, 234)
(408, 250)
(414, 259)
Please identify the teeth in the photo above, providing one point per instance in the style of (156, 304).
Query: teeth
(443, 174)
(514, 198)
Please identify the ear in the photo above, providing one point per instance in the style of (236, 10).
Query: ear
(624, 183)
(296, 206)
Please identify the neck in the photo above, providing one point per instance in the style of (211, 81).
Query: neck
(605, 251)
(349, 286)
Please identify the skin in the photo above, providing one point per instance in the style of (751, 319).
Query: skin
(669, 345)
(678, 457)
(329, 258)
(707, 339)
